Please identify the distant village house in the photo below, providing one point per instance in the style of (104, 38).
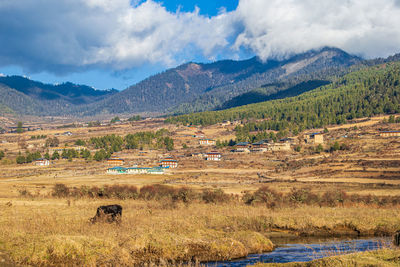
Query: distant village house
(389, 133)
(199, 134)
(314, 138)
(261, 146)
(213, 155)
(207, 142)
(115, 161)
(42, 162)
(281, 146)
(242, 147)
(135, 170)
(169, 163)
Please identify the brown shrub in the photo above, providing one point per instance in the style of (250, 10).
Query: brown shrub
(60, 190)
(156, 192)
(214, 196)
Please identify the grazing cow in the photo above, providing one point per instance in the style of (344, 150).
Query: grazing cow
(396, 239)
(110, 213)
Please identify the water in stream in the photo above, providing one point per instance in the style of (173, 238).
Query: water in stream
(308, 252)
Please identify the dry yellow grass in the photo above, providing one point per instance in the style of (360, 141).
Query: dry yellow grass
(56, 231)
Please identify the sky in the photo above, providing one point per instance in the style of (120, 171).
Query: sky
(117, 43)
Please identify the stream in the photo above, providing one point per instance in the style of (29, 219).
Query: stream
(307, 252)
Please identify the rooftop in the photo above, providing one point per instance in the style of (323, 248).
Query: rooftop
(242, 144)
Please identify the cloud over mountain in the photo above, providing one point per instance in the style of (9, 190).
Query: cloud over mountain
(70, 35)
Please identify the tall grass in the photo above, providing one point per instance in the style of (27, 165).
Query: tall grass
(57, 232)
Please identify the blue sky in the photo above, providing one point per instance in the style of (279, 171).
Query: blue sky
(121, 79)
(116, 43)
(207, 8)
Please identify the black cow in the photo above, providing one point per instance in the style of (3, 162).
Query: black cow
(110, 213)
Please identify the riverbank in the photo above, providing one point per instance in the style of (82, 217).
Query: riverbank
(52, 231)
(382, 258)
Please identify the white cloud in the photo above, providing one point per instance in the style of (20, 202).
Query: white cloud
(65, 35)
(280, 27)
(71, 35)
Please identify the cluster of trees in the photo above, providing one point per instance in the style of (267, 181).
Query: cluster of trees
(80, 142)
(33, 137)
(244, 133)
(52, 142)
(364, 93)
(2, 154)
(393, 119)
(102, 155)
(135, 118)
(140, 140)
(28, 158)
(221, 144)
(71, 125)
(94, 123)
(115, 119)
(65, 154)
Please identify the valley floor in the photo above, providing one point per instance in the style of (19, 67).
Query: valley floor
(39, 228)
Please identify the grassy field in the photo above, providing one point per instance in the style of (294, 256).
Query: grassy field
(56, 231)
(38, 228)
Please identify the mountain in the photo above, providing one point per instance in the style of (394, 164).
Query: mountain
(72, 93)
(191, 87)
(271, 92)
(196, 87)
(362, 93)
(24, 96)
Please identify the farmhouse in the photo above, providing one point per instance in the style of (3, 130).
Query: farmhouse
(135, 170)
(261, 146)
(115, 161)
(213, 155)
(242, 147)
(389, 133)
(42, 162)
(281, 146)
(199, 134)
(169, 163)
(314, 138)
(207, 142)
(197, 155)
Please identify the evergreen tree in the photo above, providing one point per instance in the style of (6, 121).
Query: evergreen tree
(85, 154)
(19, 127)
(55, 155)
(20, 159)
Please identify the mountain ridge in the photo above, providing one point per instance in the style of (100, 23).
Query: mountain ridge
(187, 88)
(218, 82)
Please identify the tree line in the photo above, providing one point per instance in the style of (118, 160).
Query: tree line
(364, 93)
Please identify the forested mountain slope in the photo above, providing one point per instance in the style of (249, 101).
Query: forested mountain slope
(207, 86)
(369, 91)
(20, 95)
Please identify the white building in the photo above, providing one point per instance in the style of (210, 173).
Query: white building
(207, 142)
(42, 162)
(215, 156)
